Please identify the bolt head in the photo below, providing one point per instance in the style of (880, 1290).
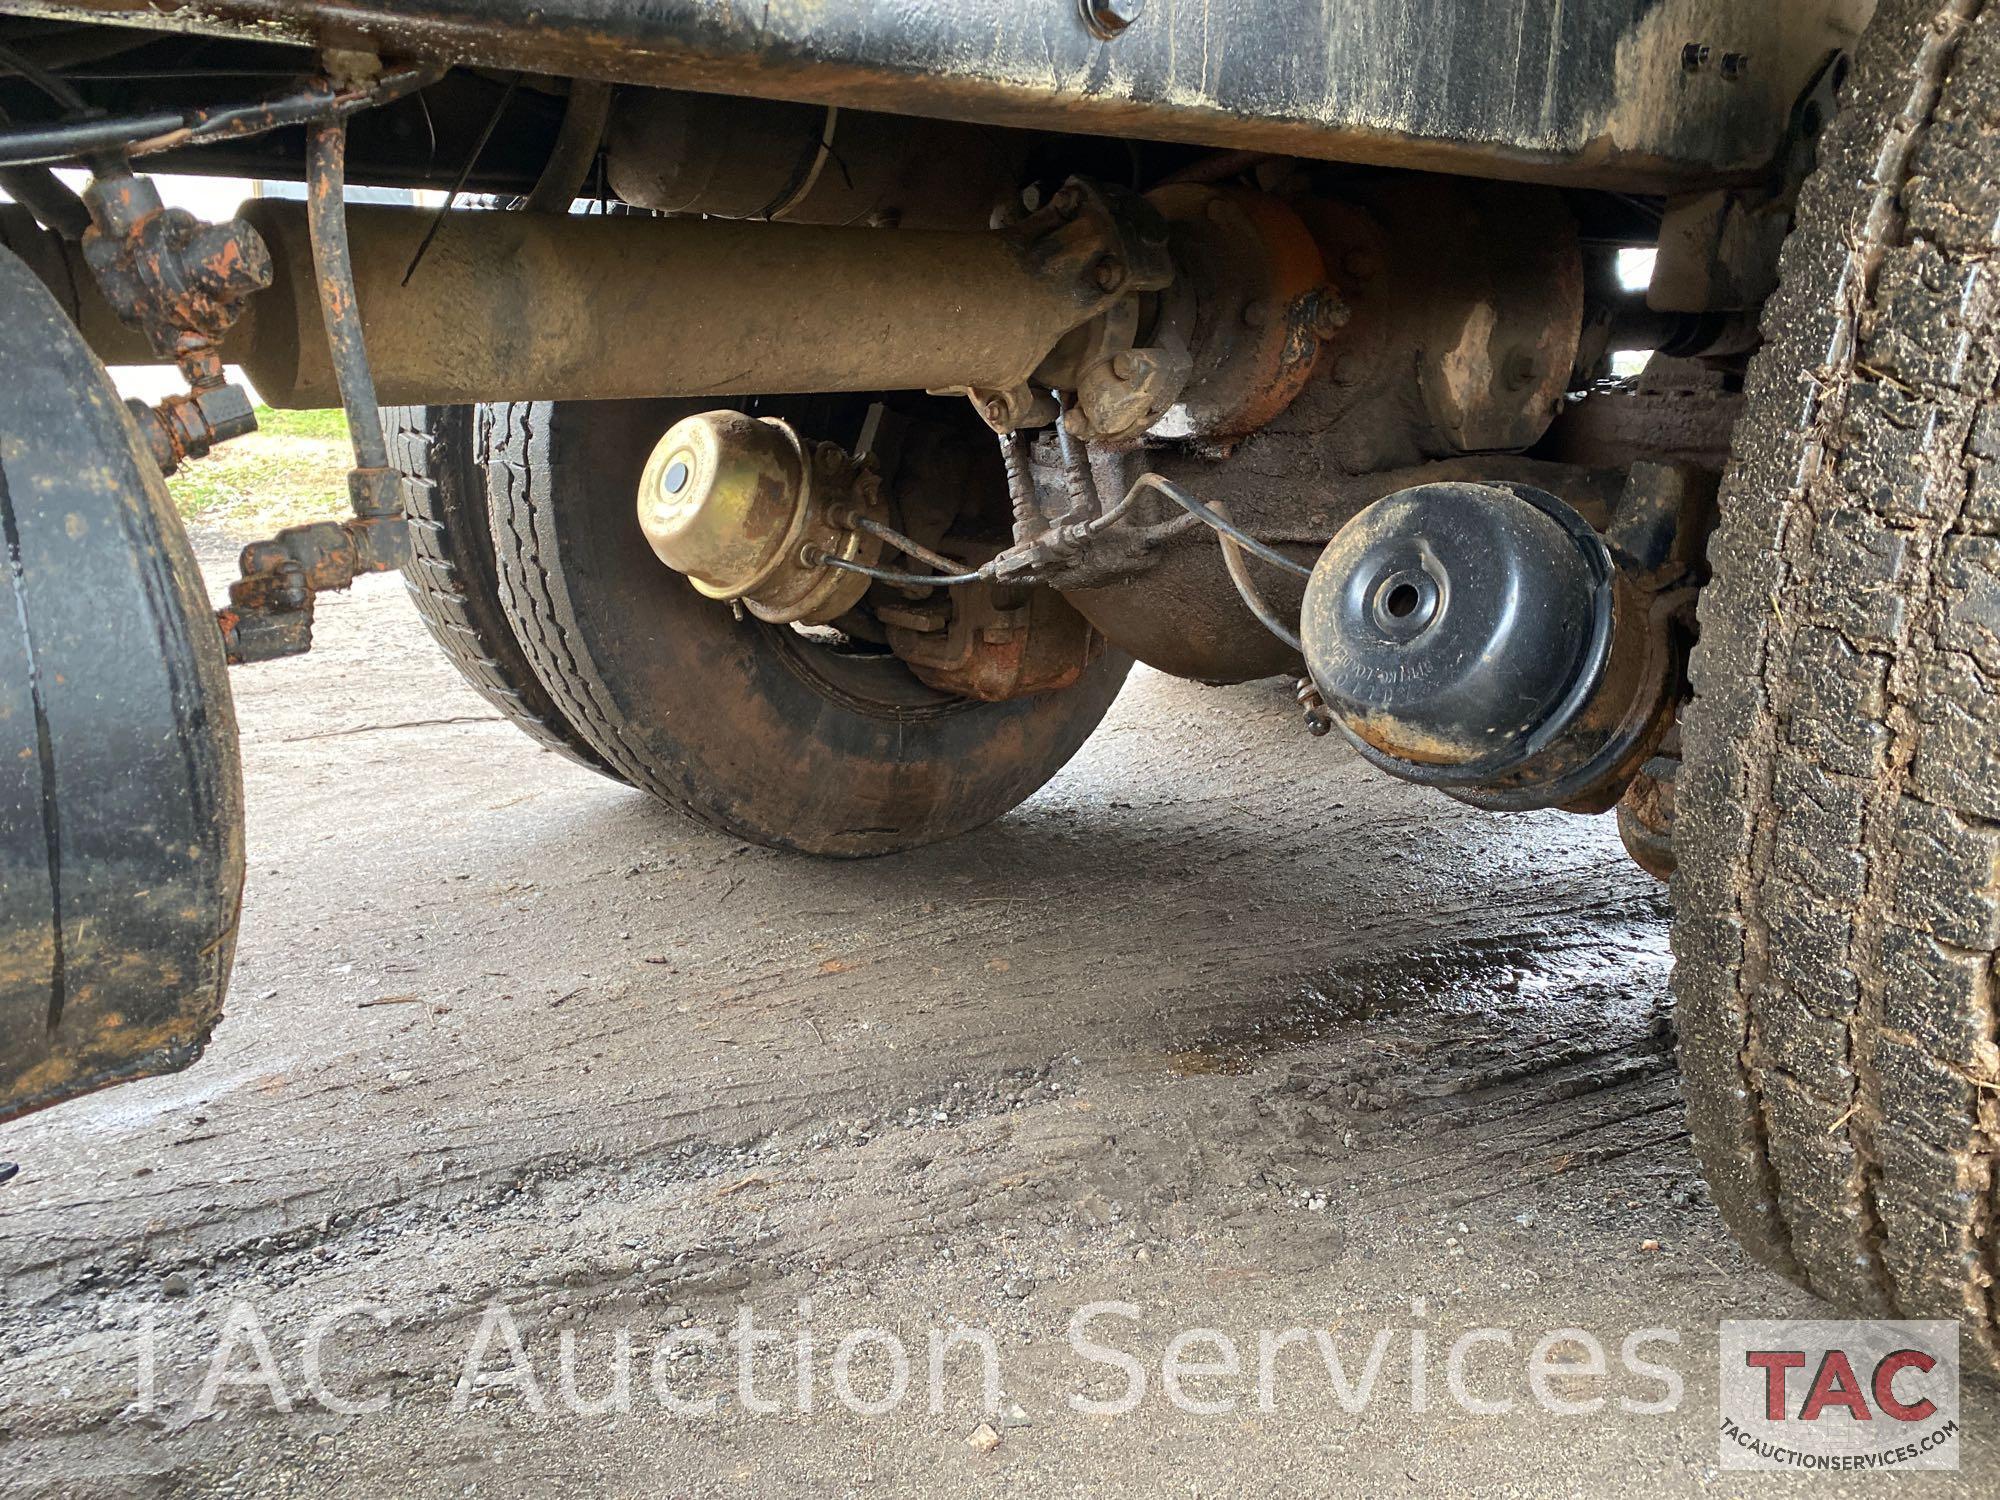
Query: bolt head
(1108, 273)
(1107, 18)
(1327, 312)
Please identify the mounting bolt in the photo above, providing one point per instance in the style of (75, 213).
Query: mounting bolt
(1319, 718)
(1108, 273)
(1108, 18)
(1735, 66)
(1694, 57)
(1324, 312)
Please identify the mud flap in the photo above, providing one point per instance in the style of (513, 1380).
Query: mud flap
(121, 801)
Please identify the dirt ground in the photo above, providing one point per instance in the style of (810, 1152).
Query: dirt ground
(1220, 1026)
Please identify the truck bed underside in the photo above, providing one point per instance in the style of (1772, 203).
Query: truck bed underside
(1636, 95)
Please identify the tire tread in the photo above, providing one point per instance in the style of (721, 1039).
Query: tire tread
(451, 575)
(1838, 909)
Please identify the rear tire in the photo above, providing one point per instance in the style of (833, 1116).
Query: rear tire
(1837, 897)
(750, 728)
(451, 576)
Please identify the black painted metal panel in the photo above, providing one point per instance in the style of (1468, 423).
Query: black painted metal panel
(1598, 91)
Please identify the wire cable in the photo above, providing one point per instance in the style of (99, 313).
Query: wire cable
(165, 129)
(907, 580)
(907, 545)
(69, 140)
(1236, 543)
(1239, 574)
(464, 176)
(1161, 484)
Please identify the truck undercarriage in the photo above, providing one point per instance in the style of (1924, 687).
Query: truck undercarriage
(807, 414)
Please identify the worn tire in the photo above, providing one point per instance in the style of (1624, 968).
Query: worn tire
(747, 727)
(121, 792)
(1837, 903)
(451, 576)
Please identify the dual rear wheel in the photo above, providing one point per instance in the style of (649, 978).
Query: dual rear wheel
(532, 571)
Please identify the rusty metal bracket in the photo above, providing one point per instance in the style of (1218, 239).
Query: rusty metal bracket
(1243, 303)
(181, 283)
(1646, 812)
(187, 426)
(1252, 307)
(270, 610)
(992, 642)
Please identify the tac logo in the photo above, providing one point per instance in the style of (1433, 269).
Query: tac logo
(1827, 1396)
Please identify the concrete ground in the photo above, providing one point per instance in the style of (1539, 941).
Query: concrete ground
(1220, 1028)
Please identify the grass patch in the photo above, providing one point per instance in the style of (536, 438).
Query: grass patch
(292, 469)
(330, 424)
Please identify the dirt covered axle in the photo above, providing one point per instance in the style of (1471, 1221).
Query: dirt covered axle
(515, 306)
(1203, 306)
